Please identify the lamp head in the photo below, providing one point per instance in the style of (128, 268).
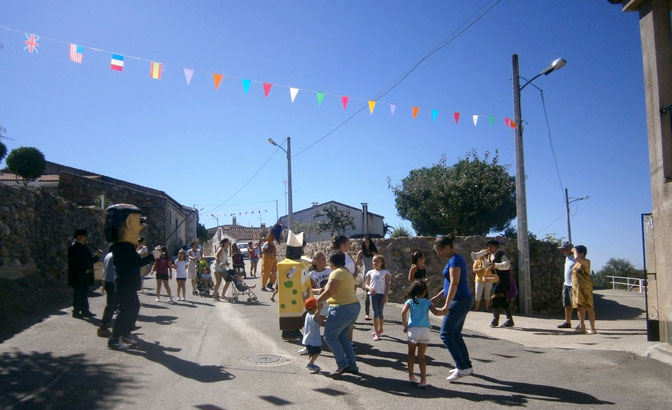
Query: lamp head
(557, 64)
(270, 141)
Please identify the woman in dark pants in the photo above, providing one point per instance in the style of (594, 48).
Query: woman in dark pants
(458, 303)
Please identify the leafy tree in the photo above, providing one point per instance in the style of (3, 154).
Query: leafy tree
(400, 232)
(333, 220)
(616, 267)
(3, 150)
(26, 162)
(201, 233)
(472, 197)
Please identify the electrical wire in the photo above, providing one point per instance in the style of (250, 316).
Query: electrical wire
(485, 9)
(550, 141)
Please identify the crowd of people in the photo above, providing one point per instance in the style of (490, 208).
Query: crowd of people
(334, 305)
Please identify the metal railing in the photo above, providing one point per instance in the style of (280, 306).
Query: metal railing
(628, 283)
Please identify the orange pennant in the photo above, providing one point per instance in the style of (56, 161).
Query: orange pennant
(512, 124)
(218, 79)
(415, 111)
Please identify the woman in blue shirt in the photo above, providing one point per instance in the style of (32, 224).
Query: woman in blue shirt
(458, 303)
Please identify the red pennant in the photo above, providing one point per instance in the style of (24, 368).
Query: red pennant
(344, 100)
(267, 89)
(457, 116)
(507, 121)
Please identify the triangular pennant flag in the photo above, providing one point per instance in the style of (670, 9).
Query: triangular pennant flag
(393, 108)
(155, 70)
(456, 115)
(492, 120)
(507, 121)
(435, 113)
(344, 100)
(320, 98)
(267, 89)
(372, 105)
(415, 111)
(188, 73)
(246, 85)
(293, 92)
(218, 79)
(475, 118)
(512, 124)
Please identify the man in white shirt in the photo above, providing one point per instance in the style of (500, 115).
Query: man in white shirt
(566, 249)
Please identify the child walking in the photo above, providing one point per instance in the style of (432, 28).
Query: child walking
(311, 335)
(181, 265)
(378, 285)
(417, 328)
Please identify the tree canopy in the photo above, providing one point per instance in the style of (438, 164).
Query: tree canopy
(471, 197)
(26, 162)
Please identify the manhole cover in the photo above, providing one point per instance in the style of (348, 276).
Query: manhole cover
(266, 360)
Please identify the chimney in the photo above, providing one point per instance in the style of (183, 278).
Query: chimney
(314, 203)
(263, 224)
(365, 218)
(234, 221)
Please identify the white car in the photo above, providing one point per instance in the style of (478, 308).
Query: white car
(243, 249)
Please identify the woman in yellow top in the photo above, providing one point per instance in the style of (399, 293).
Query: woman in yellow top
(343, 311)
(582, 289)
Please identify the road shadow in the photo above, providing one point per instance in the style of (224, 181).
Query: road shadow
(157, 353)
(161, 319)
(38, 380)
(608, 309)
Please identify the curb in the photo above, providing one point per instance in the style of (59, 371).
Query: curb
(661, 352)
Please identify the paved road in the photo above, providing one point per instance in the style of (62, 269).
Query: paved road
(193, 355)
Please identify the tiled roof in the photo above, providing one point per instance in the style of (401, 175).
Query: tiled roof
(238, 231)
(43, 178)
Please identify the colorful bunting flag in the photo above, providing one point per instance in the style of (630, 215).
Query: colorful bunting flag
(117, 62)
(512, 124)
(507, 122)
(188, 73)
(218, 79)
(246, 85)
(456, 115)
(320, 98)
(435, 113)
(415, 111)
(393, 108)
(293, 92)
(76, 53)
(372, 105)
(31, 43)
(344, 100)
(155, 70)
(475, 119)
(492, 120)
(267, 89)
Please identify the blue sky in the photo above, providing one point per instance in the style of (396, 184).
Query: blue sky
(201, 145)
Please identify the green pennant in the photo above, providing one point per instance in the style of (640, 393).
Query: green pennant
(492, 120)
(320, 98)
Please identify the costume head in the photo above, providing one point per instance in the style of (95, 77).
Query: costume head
(123, 223)
(276, 231)
(294, 245)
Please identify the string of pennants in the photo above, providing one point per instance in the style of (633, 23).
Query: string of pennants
(156, 70)
(247, 213)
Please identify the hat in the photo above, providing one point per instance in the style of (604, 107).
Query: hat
(479, 254)
(294, 245)
(310, 303)
(80, 232)
(566, 245)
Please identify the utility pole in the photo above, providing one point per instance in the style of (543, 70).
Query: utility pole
(569, 225)
(521, 201)
(289, 182)
(276, 210)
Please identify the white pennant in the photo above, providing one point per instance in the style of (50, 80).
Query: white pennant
(475, 117)
(293, 92)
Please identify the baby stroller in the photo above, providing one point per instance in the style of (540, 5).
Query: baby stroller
(240, 289)
(204, 284)
(239, 264)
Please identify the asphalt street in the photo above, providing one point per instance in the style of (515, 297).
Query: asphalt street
(218, 355)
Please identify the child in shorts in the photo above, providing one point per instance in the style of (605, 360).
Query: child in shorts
(311, 334)
(418, 328)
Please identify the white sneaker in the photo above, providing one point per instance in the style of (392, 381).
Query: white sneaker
(158, 299)
(459, 374)
(171, 300)
(303, 351)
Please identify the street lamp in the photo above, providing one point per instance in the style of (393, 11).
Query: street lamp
(216, 219)
(521, 201)
(567, 202)
(288, 151)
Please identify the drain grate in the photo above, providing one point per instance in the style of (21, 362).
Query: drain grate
(266, 360)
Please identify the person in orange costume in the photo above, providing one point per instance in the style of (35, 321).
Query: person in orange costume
(269, 264)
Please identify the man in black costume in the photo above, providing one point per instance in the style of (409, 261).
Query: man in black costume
(80, 273)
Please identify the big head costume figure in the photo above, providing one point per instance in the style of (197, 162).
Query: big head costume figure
(293, 286)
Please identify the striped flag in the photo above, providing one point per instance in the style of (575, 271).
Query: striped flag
(155, 70)
(76, 53)
(117, 63)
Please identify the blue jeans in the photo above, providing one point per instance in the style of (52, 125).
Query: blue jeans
(451, 332)
(377, 305)
(337, 333)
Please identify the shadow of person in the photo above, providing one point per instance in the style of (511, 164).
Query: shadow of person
(161, 320)
(159, 354)
(607, 309)
(536, 391)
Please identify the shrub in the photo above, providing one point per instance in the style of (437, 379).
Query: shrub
(26, 162)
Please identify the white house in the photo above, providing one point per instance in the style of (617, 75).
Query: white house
(366, 223)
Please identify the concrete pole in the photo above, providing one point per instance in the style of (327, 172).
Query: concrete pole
(569, 225)
(289, 183)
(521, 202)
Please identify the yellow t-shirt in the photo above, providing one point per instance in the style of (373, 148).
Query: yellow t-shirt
(345, 294)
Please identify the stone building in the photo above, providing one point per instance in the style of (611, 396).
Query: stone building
(366, 223)
(656, 38)
(234, 233)
(84, 188)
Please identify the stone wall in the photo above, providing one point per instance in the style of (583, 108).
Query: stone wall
(546, 265)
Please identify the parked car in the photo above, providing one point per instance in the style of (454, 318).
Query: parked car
(242, 246)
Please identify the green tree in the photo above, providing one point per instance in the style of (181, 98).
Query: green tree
(616, 267)
(201, 233)
(472, 197)
(26, 162)
(333, 220)
(3, 151)
(400, 232)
